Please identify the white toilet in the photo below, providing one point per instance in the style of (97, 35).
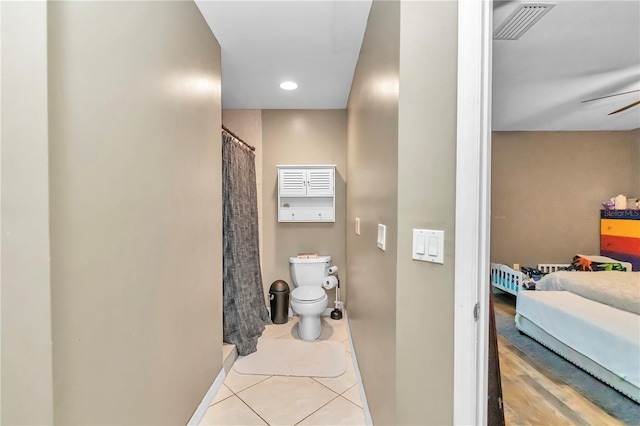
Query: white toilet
(309, 299)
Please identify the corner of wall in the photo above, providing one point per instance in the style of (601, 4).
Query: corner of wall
(372, 167)
(26, 369)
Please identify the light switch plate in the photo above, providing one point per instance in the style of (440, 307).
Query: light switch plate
(382, 236)
(357, 226)
(428, 245)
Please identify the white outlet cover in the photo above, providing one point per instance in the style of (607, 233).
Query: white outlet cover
(428, 245)
(382, 237)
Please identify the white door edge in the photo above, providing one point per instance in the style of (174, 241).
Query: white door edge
(473, 204)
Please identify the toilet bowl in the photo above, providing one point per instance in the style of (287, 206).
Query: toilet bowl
(309, 303)
(308, 298)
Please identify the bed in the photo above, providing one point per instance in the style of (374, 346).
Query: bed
(590, 318)
(512, 280)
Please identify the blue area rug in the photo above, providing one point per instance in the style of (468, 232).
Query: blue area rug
(607, 398)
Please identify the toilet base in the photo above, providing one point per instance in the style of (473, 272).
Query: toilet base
(309, 327)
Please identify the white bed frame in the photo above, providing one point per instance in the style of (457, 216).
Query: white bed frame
(510, 280)
(552, 267)
(601, 373)
(506, 279)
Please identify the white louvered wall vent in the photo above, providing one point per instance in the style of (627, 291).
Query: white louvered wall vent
(521, 20)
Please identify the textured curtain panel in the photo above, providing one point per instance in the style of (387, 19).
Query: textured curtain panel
(245, 313)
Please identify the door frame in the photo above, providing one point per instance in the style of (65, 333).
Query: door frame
(473, 211)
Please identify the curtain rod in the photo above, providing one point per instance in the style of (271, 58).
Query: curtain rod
(224, 129)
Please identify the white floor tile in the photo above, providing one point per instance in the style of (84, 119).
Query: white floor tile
(337, 412)
(286, 400)
(292, 334)
(231, 411)
(223, 393)
(289, 400)
(341, 383)
(334, 330)
(278, 330)
(353, 395)
(239, 382)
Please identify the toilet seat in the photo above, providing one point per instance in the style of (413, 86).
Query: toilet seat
(308, 294)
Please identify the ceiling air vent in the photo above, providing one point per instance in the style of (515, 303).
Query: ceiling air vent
(521, 20)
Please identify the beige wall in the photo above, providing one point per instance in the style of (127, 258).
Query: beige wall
(373, 196)
(135, 184)
(301, 137)
(247, 125)
(426, 200)
(26, 377)
(635, 142)
(401, 173)
(547, 190)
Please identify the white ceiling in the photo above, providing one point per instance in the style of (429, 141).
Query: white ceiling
(577, 51)
(314, 43)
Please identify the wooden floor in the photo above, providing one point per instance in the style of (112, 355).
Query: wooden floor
(534, 396)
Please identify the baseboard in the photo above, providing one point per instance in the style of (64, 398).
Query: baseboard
(197, 416)
(363, 396)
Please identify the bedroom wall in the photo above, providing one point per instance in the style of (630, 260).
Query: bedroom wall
(547, 190)
(302, 137)
(635, 141)
(136, 217)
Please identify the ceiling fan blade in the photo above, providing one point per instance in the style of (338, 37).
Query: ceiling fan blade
(610, 96)
(625, 108)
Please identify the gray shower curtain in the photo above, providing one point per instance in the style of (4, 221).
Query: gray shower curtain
(244, 309)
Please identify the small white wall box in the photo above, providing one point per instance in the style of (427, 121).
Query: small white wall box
(428, 245)
(306, 193)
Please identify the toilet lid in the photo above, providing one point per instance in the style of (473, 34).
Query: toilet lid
(308, 293)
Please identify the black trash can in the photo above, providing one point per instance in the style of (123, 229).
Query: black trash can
(279, 297)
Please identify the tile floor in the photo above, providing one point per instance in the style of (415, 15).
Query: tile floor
(277, 400)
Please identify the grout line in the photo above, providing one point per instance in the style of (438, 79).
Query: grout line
(254, 411)
(353, 403)
(320, 408)
(354, 386)
(223, 399)
(320, 383)
(249, 387)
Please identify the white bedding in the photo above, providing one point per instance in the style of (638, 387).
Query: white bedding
(618, 289)
(608, 336)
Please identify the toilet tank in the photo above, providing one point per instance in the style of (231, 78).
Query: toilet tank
(309, 271)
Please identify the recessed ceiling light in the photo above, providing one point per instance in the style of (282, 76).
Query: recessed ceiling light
(288, 85)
